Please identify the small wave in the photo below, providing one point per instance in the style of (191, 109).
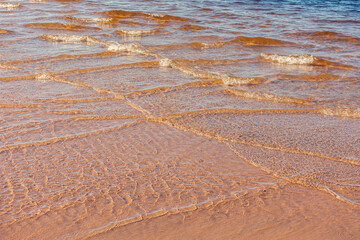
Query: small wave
(153, 16)
(189, 27)
(123, 14)
(128, 47)
(333, 64)
(341, 112)
(213, 44)
(89, 20)
(309, 77)
(43, 77)
(261, 41)
(72, 38)
(327, 36)
(137, 32)
(313, 78)
(3, 31)
(224, 78)
(304, 59)
(199, 45)
(60, 26)
(166, 17)
(266, 96)
(240, 80)
(317, 34)
(6, 67)
(196, 45)
(165, 62)
(100, 20)
(337, 21)
(9, 6)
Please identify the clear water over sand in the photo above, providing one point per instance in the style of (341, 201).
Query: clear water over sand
(179, 120)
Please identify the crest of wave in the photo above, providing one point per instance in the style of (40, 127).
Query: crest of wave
(6, 67)
(72, 38)
(290, 59)
(128, 47)
(135, 32)
(100, 20)
(155, 15)
(227, 80)
(9, 6)
(342, 112)
(43, 77)
(165, 62)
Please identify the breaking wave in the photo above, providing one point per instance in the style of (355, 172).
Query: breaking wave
(72, 38)
(304, 59)
(9, 6)
(138, 32)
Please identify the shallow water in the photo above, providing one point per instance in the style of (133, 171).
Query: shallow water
(180, 119)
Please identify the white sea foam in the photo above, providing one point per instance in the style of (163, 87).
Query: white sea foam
(111, 46)
(211, 45)
(126, 47)
(341, 112)
(101, 20)
(72, 38)
(129, 47)
(97, 20)
(237, 80)
(43, 77)
(155, 15)
(135, 32)
(6, 67)
(165, 62)
(9, 6)
(2, 66)
(290, 59)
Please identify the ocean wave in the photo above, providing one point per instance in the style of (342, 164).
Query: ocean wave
(327, 36)
(189, 27)
(165, 62)
(10, 6)
(304, 59)
(4, 31)
(137, 32)
(152, 16)
(341, 112)
(261, 41)
(43, 77)
(311, 78)
(6, 67)
(266, 96)
(72, 38)
(89, 20)
(127, 47)
(227, 80)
